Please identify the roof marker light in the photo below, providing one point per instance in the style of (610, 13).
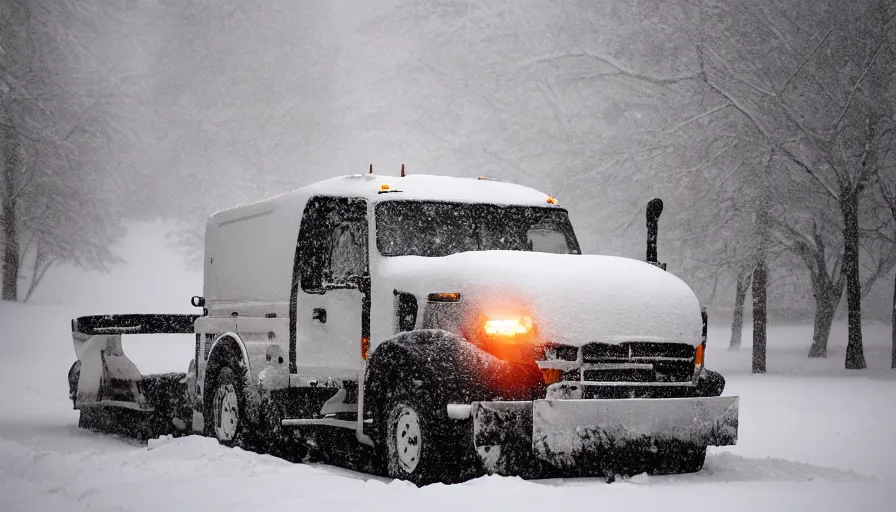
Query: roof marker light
(402, 170)
(443, 297)
(551, 200)
(385, 187)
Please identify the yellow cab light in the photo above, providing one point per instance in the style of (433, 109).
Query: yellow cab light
(508, 327)
(698, 355)
(384, 187)
(443, 297)
(551, 200)
(365, 347)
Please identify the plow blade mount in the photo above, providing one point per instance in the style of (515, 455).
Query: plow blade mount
(599, 437)
(108, 389)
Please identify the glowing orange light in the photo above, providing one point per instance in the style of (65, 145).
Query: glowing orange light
(385, 186)
(508, 327)
(365, 347)
(698, 356)
(551, 375)
(551, 200)
(443, 297)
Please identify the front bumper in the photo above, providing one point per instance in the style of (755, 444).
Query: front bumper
(597, 435)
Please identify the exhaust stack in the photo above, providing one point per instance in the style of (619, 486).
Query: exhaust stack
(654, 210)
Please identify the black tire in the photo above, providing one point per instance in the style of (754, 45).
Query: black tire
(421, 444)
(226, 420)
(710, 384)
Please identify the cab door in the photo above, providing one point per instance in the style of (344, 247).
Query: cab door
(330, 289)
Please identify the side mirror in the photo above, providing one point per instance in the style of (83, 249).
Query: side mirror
(197, 301)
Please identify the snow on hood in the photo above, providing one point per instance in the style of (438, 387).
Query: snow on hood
(573, 299)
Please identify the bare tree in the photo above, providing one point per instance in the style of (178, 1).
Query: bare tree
(787, 92)
(10, 152)
(61, 138)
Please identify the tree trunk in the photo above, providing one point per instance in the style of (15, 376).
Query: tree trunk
(825, 308)
(9, 152)
(760, 279)
(760, 273)
(849, 206)
(740, 296)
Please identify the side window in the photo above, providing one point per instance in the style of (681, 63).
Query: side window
(348, 252)
(547, 238)
(332, 244)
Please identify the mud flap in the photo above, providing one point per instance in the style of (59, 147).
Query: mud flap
(579, 437)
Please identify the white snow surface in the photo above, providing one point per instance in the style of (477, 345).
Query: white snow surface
(813, 436)
(573, 299)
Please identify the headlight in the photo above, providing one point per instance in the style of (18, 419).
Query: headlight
(506, 336)
(508, 328)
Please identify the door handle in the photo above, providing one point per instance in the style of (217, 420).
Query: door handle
(319, 315)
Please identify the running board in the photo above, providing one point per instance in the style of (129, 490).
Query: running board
(327, 422)
(116, 403)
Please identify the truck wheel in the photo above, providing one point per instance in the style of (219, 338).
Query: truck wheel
(415, 445)
(228, 419)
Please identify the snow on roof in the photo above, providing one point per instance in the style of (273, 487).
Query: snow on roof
(416, 187)
(433, 188)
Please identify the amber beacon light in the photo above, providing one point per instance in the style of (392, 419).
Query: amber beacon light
(508, 327)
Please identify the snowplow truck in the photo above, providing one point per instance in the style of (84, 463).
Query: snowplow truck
(451, 327)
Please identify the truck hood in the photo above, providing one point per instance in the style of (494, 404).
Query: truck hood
(573, 299)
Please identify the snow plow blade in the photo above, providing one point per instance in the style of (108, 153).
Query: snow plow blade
(600, 437)
(112, 395)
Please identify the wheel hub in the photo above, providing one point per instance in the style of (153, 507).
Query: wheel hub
(227, 414)
(408, 439)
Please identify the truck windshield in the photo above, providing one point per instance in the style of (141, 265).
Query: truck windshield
(428, 228)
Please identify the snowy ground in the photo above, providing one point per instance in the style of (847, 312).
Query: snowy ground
(812, 436)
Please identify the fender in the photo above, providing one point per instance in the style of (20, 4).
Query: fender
(236, 339)
(448, 368)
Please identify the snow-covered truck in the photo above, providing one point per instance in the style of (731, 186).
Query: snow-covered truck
(450, 326)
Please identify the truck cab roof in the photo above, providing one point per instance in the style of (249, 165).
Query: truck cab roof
(376, 188)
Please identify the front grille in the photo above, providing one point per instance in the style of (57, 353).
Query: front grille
(640, 362)
(557, 352)
(632, 350)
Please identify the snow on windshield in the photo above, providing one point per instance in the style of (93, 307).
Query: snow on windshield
(428, 228)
